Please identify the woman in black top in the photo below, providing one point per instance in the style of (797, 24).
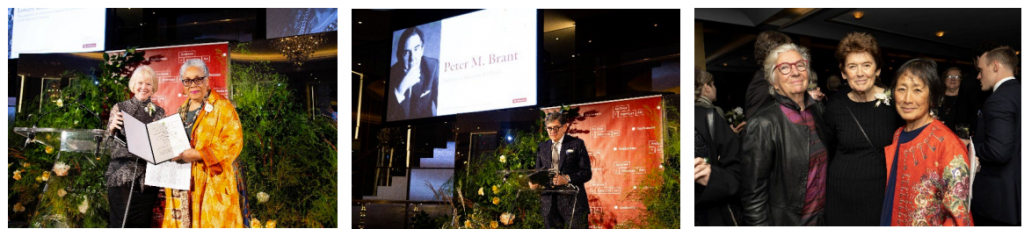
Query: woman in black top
(860, 123)
(125, 173)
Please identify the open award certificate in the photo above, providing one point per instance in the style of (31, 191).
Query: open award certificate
(157, 141)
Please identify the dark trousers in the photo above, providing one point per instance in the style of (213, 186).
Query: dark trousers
(140, 213)
(555, 220)
(980, 220)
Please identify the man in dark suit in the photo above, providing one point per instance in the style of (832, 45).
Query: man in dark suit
(413, 79)
(997, 142)
(572, 164)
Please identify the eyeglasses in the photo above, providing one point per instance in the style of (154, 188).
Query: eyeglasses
(554, 129)
(786, 68)
(953, 76)
(194, 81)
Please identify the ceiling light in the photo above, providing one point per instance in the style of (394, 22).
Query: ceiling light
(360, 22)
(556, 38)
(858, 14)
(940, 33)
(655, 24)
(725, 64)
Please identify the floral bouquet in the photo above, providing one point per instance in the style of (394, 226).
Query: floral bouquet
(735, 116)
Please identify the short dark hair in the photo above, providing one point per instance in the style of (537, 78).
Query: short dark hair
(766, 41)
(556, 116)
(405, 36)
(925, 69)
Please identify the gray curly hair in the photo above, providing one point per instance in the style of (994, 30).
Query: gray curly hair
(769, 62)
(193, 63)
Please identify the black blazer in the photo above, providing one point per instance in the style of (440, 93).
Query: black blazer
(575, 164)
(423, 100)
(997, 142)
(720, 198)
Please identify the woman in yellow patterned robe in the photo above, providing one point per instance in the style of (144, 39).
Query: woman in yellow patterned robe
(216, 136)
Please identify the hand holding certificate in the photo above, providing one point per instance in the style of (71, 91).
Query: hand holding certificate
(157, 141)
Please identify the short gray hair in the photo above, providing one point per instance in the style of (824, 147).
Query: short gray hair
(556, 116)
(769, 62)
(144, 72)
(193, 63)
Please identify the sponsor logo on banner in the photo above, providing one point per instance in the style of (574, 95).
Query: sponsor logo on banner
(602, 131)
(624, 111)
(89, 45)
(607, 190)
(653, 147)
(519, 100)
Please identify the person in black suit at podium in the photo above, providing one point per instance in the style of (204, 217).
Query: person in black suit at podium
(572, 164)
(997, 142)
(413, 79)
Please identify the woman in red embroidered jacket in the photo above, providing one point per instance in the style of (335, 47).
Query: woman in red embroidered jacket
(927, 164)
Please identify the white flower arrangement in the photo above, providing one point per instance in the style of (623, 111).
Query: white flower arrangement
(735, 116)
(883, 98)
(506, 218)
(84, 206)
(61, 169)
(150, 108)
(262, 197)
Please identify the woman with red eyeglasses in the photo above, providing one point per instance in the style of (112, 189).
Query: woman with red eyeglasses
(784, 161)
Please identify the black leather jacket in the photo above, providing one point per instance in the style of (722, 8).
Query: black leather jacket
(775, 166)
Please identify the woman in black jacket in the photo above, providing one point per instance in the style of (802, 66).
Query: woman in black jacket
(716, 168)
(784, 157)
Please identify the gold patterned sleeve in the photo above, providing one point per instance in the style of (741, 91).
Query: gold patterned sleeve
(227, 131)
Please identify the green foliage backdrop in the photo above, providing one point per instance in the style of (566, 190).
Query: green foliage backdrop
(287, 155)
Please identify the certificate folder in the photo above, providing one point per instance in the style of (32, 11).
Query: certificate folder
(157, 141)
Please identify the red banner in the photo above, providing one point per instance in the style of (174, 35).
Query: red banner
(624, 139)
(167, 61)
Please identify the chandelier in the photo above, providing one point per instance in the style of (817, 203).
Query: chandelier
(298, 49)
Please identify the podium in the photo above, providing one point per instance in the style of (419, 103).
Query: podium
(70, 140)
(542, 178)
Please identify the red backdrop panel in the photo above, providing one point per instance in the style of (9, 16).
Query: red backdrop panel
(624, 140)
(167, 61)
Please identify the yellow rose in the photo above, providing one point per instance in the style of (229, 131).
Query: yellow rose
(46, 175)
(495, 189)
(39, 179)
(49, 149)
(502, 158)
(495, 200)
(256, 223)
(25, 164)
(494, 224)
(17, 175)
(468, 225)
(270, 224)
(481, 191)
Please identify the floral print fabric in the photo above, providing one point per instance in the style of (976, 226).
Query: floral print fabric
(932, 179)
